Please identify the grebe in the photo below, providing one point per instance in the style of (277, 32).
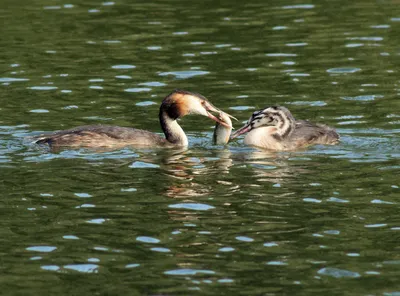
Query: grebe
(276, 129)
(177, 104)
(222, 132)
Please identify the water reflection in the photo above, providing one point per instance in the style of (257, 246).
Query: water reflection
(272, 167)
(181, 165)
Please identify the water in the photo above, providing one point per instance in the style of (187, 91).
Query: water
(207, 220)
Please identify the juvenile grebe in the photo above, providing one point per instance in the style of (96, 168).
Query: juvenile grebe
(222, 132)
(177, 104)
(276, 129)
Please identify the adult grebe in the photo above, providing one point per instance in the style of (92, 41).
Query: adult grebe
(177, 104)
(222, 132)
(276, 129)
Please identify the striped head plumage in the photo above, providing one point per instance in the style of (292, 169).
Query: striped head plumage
(277, 116)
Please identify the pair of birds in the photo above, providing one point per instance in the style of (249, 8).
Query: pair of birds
(272, 128)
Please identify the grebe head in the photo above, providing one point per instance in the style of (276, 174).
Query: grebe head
(180, 103)
(271, 116)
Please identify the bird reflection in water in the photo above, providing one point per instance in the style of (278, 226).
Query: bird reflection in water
(191, 176)
(184, 166)
(270, 166)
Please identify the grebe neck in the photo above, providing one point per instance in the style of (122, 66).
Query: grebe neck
(286, 124)
(174, 134)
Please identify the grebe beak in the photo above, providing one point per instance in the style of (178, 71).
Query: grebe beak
(210, 108)
(241, 131)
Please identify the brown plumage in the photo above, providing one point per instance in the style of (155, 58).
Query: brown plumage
(275, 128)
(177, 104)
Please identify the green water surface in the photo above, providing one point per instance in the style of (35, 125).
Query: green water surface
(207, 220)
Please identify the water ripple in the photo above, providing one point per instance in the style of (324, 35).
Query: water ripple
(123, 67)
(226, 249)
(276, 263)
(375, 225)
(241, 108)
(52, 7)
(12, 79)
(192, 206)
(297, 44)
(132, 265)
(96, 221)
(338, 273)
(279, 28)
(313, 200)
(187, 271)
(39, 111)
(143, 165)
(354, 45)
(335, 199)
(96, 87)
(123, 77)
(50, 267)
(146, 103)
(138, 89)
(70, 237)
(307, 103)
(299, 6)
(363, 98)
(343, 70)
(44, 249)
(43, 87)
(244, 239)
(152, 83)
(366, 38)
(270, 244)
(184, 74)
(280, 54)
(148, 239)
(85, 268)
(161, 250)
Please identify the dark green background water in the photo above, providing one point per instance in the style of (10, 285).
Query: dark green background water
(208, 220)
